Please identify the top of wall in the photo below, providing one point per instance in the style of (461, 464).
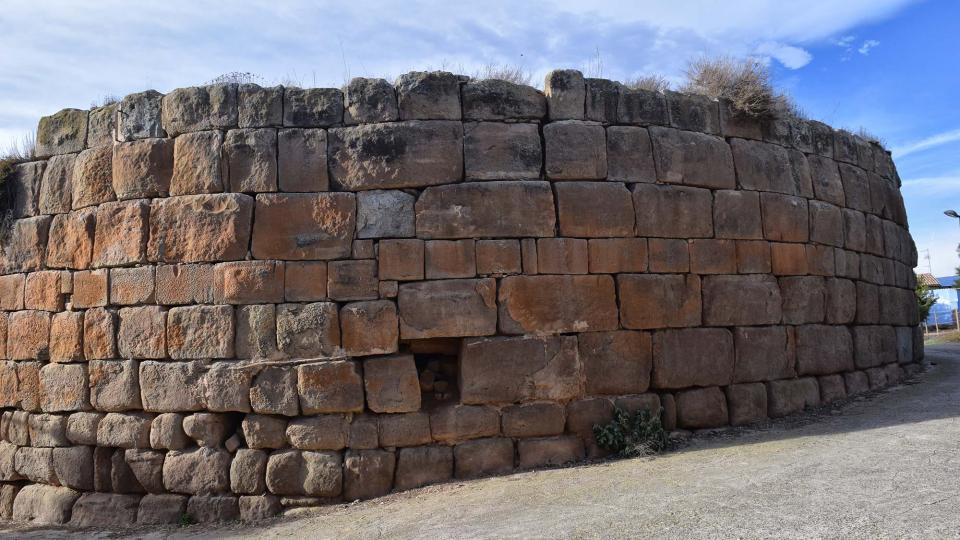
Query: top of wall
(437, 95)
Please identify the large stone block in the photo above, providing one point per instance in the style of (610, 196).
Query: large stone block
(693, 112)
(447, 308)
(82, 427)
(692, 357)
(874, 346)
(736, 214)
(804, 299)
(747, 403)
(498, 151)
(385, 214)
(785, 218)
(562, 256)
(702, 408)
(423, 465)
(641, 106)
(93, 177)
(741, 300)
(369, 328)
(304, 226)
(826, 224)
(433, 95)
(483, 457)
(272, 391)
(199, 108)
(122, 230)
(549, 451)
(131, 286)
(171, 386)
(199, 228)
(142, 332)
(455, 423)
(213, 508)
(692, 159)
(105, 510)
(11, 292)
(602, 97)
(768, 167)
(162, 509)
(494, 99)
(102, 125)
(28, 335)
(312, 107)
(28, 386)
(302, 160)
(63, 388)
(792, 396)
(74, 467)
(248, 472)
(391, 384)
(250, 159)
(38, 504)
(330, 387)
(248, 282)
(198, 163)
(308, 330)
(56, 186)
(26, 245)
(138, 116)
(295, 472)
(533, 419)
(450, 259)
(227, 386)
(403, 429)
(198, 471)
(557, 304)
(124, 430)
(47, 430)
(856, 188)
(822, 350)
(575, 150)
(396, 155)
(367, 473)
(515, 369)
(142, 168)
(184, 284)
(368, 100)
(25, 181)
(827, 185)
(62, 133)
(321, 432)
(36, 465)
(659, 300)
(200, 332)
(46, 290)
(74, 233)
(672, 211)
(594, 209)
(763, 353)
(630, 155)
(566, 93)
(617, 362)
(486, 209)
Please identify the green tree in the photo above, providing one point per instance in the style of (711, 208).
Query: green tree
(925, 300)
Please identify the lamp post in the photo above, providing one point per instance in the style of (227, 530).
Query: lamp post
(953, 214)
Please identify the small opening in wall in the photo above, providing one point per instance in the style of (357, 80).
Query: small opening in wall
(438, 366)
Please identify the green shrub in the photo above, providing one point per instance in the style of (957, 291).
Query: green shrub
(632, 435)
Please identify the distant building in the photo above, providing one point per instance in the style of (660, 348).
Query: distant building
(944, 312)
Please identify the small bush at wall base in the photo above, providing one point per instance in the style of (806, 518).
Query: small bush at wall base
(632, 435)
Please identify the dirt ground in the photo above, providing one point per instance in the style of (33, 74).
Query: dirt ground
(880, 466)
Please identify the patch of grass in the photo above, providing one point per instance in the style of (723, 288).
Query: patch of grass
(504, 72)
(950, 336)
(870, 137)
(237, 77)
(746, 83)
(186, 520)
(108, 99)
(654, 83)
(632, 435)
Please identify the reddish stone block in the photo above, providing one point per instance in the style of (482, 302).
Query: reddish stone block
(450, 259)
(497, 257)
(616, 362)
(709, 256)
(185, 284)
(562, 256)
(804, 299)
(248, 282)
(692, 357)
(533, 419)
(28, 390)
(142, 168)
(352, 280)
(26, 245)
(302, 160)
(788, 259)
(93, 177)
(820, 260)
(768, 167)
(369, 328)
(702, 408)
(616, 255)
(90, 289)
(305, 281)
(516, 369)
(363, 249)
(594, 209)
(764, 353)
(447, 308)
(741, 300)
(673, 212)
(528, 255)
(66, 336)
(121, 233)
(659, 300)
(669, 256)
(99, 330)
(201, 228)
(391, 384)
(424, 465)
(455, 423)
(747, 403)
(785, 218)
(557, 304)
(692, 159)
(486, 210)
(304, 226)
(330, 387)
(250, 156)
(45, 290)
(408, 429)
(74, 234)
(401, 260)
(198, 163)
(129, 286)
(753, 257)
(736, 214)
(549, 451)
(28, 335)
(11, 292)
(142, 332)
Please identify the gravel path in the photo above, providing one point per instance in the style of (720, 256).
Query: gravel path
(884, 466)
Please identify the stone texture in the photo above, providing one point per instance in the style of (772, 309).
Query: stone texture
(692, 357)
(62, 133)
(171, 386)
(566, 93)
(594, 209)
(497, 151)
(272, 391)
(308, 330)
(138, 116)
(258, 106)
(433, 95)
(312, 107)
(747, 403)
(260, 431)
(166, 432)
(763, 353)
(385, 214)
(93, 177)
(250, 160)
(25, 247)
(617, 362)
(486, 209)
(198, 471)
(450, 259)
(538, 368)
(37, 504)
(199, 228)
(213, 508)
(741, 300)
(423, 465)
(200, 332)
(63, 388)
(672, 211)
(549, 451)
(304, 226)
(102, 125)
(575, 150)
(556, 304)
(142, 168)
(305, 281)
(668, 255)
(702, 408)
(405, 429)
(693, 112)
(692, 159)
(447, 308)
(368, 101)
(198, 164)
(121, 234)
(767, 167)
(74, 467)
(321, 432)
(142, 332)
(642, 107)
(498, 257)
(791, 396)
(248, 282)
(330, 387)
(28, 335)
(295, 472)
(367, 473)
(455, 423)
(198, 108)
(124, 430)
(369, 328)
(659, 300)
(736, 214)
(493, 99)
(56, 186)
(184, 284)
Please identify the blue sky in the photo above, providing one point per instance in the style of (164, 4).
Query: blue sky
(890, 66)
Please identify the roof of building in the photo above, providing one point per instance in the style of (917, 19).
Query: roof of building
(927, 280)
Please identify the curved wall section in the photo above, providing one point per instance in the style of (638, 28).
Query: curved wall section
(229, 300)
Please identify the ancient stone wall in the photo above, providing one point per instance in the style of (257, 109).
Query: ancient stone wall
(230, 300)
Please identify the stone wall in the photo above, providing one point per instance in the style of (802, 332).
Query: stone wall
(230, 300)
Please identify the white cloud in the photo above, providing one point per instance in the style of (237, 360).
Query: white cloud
(867, 45)
(926, 143)
(788, 55)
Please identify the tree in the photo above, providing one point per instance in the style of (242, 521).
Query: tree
(925, 300)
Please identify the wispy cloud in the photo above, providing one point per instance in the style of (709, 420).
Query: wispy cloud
(790, 56)
(926, 143)
(932, 186)
(867, 45)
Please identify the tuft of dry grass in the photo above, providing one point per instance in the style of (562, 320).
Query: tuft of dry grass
(20, 150)
(108, 99)
(654, 83)
(237, 77)
(504, 72)
(870, 137)
(746, 83)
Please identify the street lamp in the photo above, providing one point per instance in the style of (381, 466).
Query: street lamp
(952, 213)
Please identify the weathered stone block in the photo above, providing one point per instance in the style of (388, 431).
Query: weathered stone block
(791, 396)
(199, 108)
(401, 260)
(25, 181)
(747, 403)
(93, 177)
(672, 211)
(423, 465)
(259, 507)
(330, 387)
(304, 226)
(497, 151)
(197, 228)
(36, 465)
(433, 95)
(659, 301)
(272, 391)
(641, 107)
(713, 256)
(142, 168)
(129, 286)
(260, 431)
(28, 335)
(295, 472)
(308, 330)
(617, 362)
(692, 159)
(258, 106)
(562, 256)
(124, 430)
(450, 259)
(248, 472)
(82, 427)
(447, 308)
(575, 150)
(198, 164)
(26, 245)
(121, 233)
(62, 133)
(63, 388)
(368, 101)
(702, 408)
(602, 100)
(693, 112)
(28, 386)
(767, 167)
(831, 388)
(549, 451)
(321, 432)
(138, 116)
(785, 218)
(515, 369)
(367, 473)
(497, 257)
(630, 155)
(369, 328)
(105, 510)
(483, 457)
(213, 508)
(166, 432)
(556, 304)
(248, 282)
(594, 209)
(145, 468)
(11, 292)
(44, 505)
(856, 187)
(804, 299)
(763, 353)
(533, 420)
(184, 284)
(142, 332)
(74, 233)
(827, 184)
(102, 125)
(257, 332)
(455, 423)
(822, 350)
(692, 357)
(486, 209)
(617, 255)
(250, 160)
(826, 224)
(788, 259)
(197, 471)
(874, 346)
(74, 467)
(404, 429)
(565, 92)
(45, 290)
(161, 509)
(47, 430)
(171, 386)
(493, 99)
(56, 186)
(736, 214)
(200, 332)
